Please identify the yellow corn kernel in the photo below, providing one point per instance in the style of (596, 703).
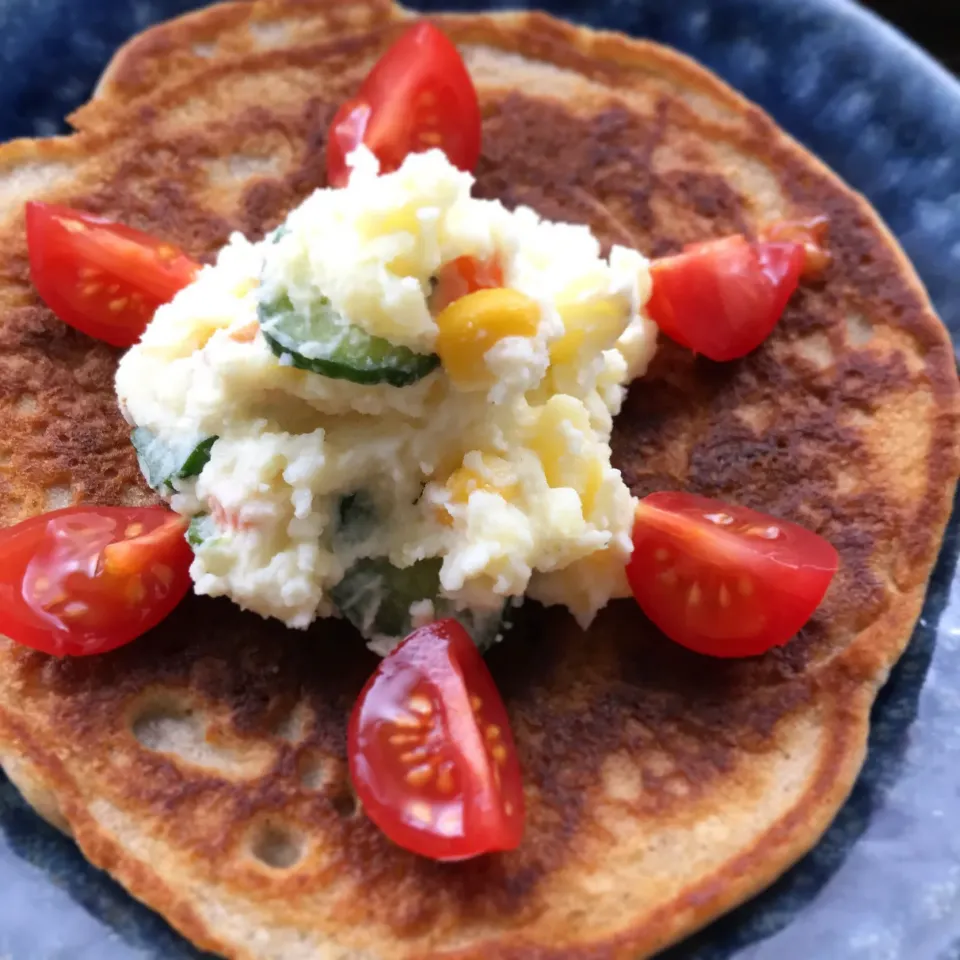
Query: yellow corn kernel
(471, 325)
(383, 223)
(563, 466)
(497, 477)
(589, 327)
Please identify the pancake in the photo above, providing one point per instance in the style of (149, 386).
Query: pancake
(204, 765)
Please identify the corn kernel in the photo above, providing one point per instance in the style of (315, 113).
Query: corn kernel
(562, 466)
(496, 477)
(589, 327)
(400, 220)
(471, 325)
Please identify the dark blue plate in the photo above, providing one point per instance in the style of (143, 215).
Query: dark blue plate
(885, 881)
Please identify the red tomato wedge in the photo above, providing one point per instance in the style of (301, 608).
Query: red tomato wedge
(431, 754)
(724, 297)
(88, 579)
(417, 96)
(725, 580)
(102, 277)
(462, 276)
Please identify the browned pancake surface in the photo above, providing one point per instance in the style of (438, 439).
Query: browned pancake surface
(204, 765)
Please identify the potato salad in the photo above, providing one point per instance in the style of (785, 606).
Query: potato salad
(397, 406)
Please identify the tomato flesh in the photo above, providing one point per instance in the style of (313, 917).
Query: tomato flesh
(418, 95)
(86, 580)
(101, 277)
(723, 298)
(431, 753)
(811, 234)
(725, 580)
(462, 276)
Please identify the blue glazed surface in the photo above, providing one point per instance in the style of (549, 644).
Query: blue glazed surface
(885, 881)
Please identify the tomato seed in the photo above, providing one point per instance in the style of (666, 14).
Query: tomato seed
(414, 756)
(476, 703)
(401, 739)
(405, 721)
(445, 779)
(668, 577)
(134, 530)
(661, 555)
(693, 597)
(117, 305)
(493, 732)
(419, 776)
(724, 595)
(500, 754)
(420, 705)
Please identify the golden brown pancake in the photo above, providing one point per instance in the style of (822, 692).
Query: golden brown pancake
(204, 765)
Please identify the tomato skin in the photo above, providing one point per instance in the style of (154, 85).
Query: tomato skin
(462, 276)
(723, 298)
(725, 580)
(417, 96)
(431, 754)
(101, 277)
(85, 580)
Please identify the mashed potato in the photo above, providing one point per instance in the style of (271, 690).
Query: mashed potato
(466, 463)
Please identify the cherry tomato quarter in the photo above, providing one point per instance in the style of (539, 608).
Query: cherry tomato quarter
(103, 278)
(418, 96)
(722, 579)
(86, 580)
(431, 753)
(724, 297)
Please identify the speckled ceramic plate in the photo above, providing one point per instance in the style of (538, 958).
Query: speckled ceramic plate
(884, 883)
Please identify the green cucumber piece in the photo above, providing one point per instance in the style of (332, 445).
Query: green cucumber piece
(375, 596)
(197, 459)
(356, 519)
(161, 463)
(202, 528)
(323, 342)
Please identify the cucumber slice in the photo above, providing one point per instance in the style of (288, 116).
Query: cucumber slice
(323, 342)
(161, 463)
(375, 596)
